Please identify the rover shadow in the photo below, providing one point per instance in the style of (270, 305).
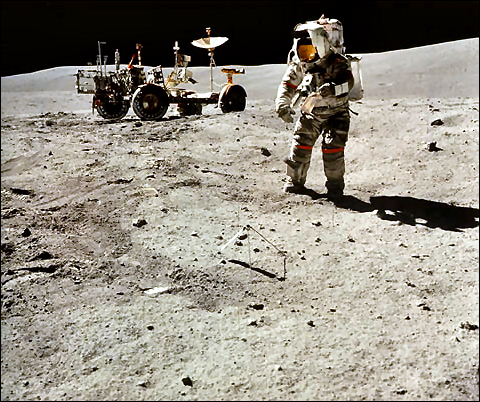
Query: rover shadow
(434, 214)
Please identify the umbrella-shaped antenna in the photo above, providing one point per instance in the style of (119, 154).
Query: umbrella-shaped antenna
(210, 43)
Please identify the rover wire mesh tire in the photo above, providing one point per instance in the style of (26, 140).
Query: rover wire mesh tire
(113, 110)
(233, 98)
(150, 102)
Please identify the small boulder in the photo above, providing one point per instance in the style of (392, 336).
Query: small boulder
(432, 147)
(265, 151)
(139, 223)
(187, 381)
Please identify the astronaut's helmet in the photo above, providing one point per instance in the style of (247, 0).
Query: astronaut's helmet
(334, 30)
(326, 35)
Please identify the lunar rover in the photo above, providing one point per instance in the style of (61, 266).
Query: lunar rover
(149, 93)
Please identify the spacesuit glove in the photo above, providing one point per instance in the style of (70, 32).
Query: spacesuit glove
(286, 114)
(327, 89)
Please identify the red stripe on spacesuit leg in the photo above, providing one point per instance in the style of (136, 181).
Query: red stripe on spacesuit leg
(289, 84)
(331, 150)
(304, 147)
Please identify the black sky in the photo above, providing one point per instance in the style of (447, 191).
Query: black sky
(37, 35)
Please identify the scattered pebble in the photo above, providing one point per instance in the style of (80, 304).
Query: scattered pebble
(256, 306)
(432, 147)
(310, 323)
(26, 232)
(265, 151)
(139, 223)
(466, 325)
(437, 122)
(187, 381)
(381, 214)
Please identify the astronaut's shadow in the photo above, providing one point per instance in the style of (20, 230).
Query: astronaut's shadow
(411, 211)
(433, 214)
(346, 201)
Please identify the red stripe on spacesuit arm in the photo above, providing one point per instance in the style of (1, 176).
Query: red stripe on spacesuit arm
(331, 150)
(289, 84)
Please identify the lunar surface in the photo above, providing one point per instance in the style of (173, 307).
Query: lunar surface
(161, 260)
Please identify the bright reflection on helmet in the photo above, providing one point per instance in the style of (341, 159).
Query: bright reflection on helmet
(306, 52)
(320, 40)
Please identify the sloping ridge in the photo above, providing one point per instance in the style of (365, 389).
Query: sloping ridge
(448, 69)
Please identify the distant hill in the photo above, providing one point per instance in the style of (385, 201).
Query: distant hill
(448, 69)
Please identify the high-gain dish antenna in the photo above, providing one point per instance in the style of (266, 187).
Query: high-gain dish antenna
(210, 43)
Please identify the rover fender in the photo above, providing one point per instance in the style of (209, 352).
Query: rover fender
(232, 98)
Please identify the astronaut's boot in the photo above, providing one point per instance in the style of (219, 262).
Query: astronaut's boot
(334, 168)
(297, 174)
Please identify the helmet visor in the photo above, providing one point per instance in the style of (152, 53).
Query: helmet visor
(306, 52)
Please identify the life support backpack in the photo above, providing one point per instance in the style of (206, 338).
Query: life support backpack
(356, 93)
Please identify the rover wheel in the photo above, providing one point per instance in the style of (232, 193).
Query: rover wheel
(112, 110)
(150, 102)
(189, 109)
(233, 98)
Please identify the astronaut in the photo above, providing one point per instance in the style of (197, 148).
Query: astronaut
(319, 77)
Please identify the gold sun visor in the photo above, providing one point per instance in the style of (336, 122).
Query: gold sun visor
(306, 52)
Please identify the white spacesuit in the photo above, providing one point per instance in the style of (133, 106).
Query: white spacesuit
(318, 77)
